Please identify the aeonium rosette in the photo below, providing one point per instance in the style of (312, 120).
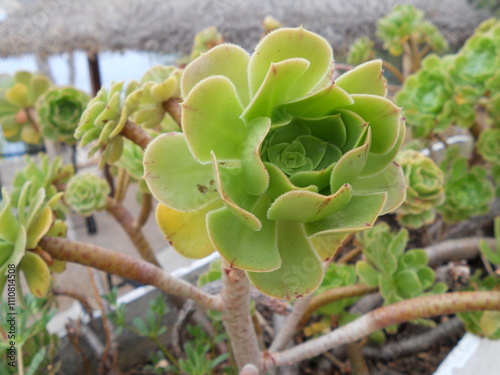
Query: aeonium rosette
(276, 164)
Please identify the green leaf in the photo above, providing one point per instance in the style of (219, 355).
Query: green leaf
(227, 60)
(8, 222)
(36, 272)
(305, 206)
(287, 43)
(279, 84)
(367, 273)
(366, 78)
(39, 227)
(254, 172)
(327, 246)
(174, 177)
(359, 214)
(280, 184)
(408, 284)
(301, 271)
(211, 120)
(241, 246)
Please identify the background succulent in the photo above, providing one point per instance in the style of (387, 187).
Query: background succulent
(18, 95)
(131, 161)
(104, 119)
(59, 112)
(488, 145)
(425, 189)
(20, 234)
(361, 51)
(271, 141)
(86, 192)
(468, 192)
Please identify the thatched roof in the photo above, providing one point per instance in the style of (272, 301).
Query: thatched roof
(49, 27)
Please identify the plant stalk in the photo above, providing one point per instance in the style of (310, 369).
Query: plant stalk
(146, 206)
(125, 219)
(236, 316)
(127, 267)
(173, 107)
(404, 311)
(136, 134)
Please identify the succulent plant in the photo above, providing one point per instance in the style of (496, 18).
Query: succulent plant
(59, 112)
(86, 192)
(157, 86)
(270, 24)
(104, 119)
(468, 192)
(488, 145)
(424, 96)
(131, 161)
(336, 276)
(18, 95)
(20, 234)
(398, 273)
(406, 22)
(425, 189)
(46, 174)
(361, 51)
(276, 164)
(205, 40)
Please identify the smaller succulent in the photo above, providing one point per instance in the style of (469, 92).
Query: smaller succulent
(270, 24)
(59, 112)
(488, 145)
(425, 189)
(361, 51)
(21, 232)
(157, 86)
(336, 276)
(131, 161)
(205, 40)
(104, 119)
(406, 22)
(468, 192)
(86, 192)
(398, 273)
(18, 95)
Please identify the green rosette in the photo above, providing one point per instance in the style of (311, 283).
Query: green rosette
(277, 163)
(59, 112)
(86, 193)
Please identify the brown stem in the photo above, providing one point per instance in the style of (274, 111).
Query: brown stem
(249, 370)
(424, 51)
(358, 364)
(126, 267)
(146, 206)
(125, 219)
(391, 68)
(136, 134)
(415, 308)
(236, 316)
(333, 295)
(350, 255)
(173, 107)
(31, 115)
(121, 185)
(79, 297)
(464, 248)
(415, 55)
(73, 334)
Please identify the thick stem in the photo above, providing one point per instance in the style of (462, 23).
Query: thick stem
(127, 267)
(236, 316)
(125, 219)
(333, 295)
(136, 134)
(415, 308)
(391, 68)
(358, 364)
(464, 248)
(121, 185)
(173, 107)
(146, 206)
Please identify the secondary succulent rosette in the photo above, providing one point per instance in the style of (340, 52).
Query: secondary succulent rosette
(360, 51)
(104, 119)
(18, 95)
(468, 192)
(277, 164)
(488, 145)
(59, 112)
(131, 161)
(425, 189)
(86, 192)
(22, 225)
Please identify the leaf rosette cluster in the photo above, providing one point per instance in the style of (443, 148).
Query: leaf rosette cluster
(425, 189)
(86, 192)
(276, 164)
(59, 112)
(19, 93)
(22, 224)
(360, 51)
(488, 145)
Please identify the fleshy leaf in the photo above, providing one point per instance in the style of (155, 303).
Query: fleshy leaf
(280, 184)
(174, 177)
(301, 270)
(327, 246)
(287, 43)
(245, 248)
(391, 180)
(278, 85)
(39, 227)
(187, 231)
(36, 272)
(359, 214)
(8, 222)
(227, 60)
(366, 78)
(367, 273)
(305, 206)
(210, 120)
(254, 172)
